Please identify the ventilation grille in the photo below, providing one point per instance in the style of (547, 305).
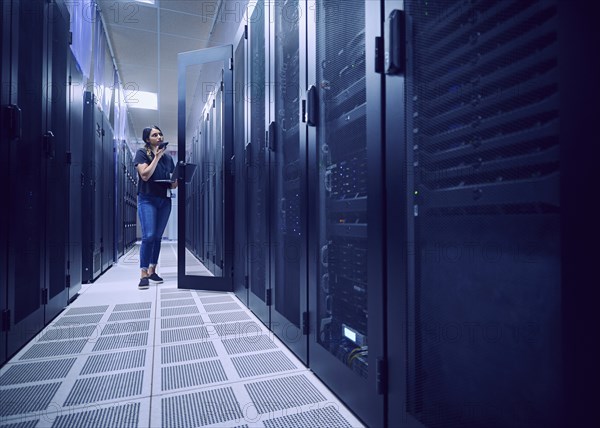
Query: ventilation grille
(181, 321)
(27, 424)
(17, 401)
(200, 408)
(283, 393)
(260, 364)
(216, 299)
(87, 310)
(107, 387)
(187, 352)
(178, 302)
(248, 344)
(126, 416)
(132, 306)
(219, 307)
(328, 417)
(126, 327)
(36, 372)
(79, 319)
(186, 375)
(485, 124)
(54, 349)
(68, 333)
(115, 361)
(238, 329)
(186, 310)
(122, 341)
(123, 316)
(229, 317)
(183, 334)
(175, 296)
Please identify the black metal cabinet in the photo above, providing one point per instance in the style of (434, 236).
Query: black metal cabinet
(27, 168)
(482, 135)
(108, 195)
(286, 146)
(258, 169)
(92, 189)
(55, 147)
(5, 136)
(75, 150)
(238, 165)
(345, 164)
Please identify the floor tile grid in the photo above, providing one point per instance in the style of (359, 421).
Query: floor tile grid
(151, 384)
(57, 406)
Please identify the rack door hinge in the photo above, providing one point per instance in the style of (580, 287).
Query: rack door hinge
(44, 296)
(247, 282)
(269, 295)
(68, 281)
(245, 32)
(305, 323)
(6, 320)
(70, 38)
(231, 63)
(381, 376)
(69, 158)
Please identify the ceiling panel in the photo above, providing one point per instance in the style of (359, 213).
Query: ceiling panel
(136, 31)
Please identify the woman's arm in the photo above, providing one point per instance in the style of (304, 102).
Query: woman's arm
(146, 170)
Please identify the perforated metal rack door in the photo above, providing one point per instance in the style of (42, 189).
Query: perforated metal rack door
(482, 91)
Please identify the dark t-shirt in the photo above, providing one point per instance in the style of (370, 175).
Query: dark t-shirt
(162, 171)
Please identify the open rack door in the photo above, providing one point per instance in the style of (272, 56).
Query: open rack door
(205, 139)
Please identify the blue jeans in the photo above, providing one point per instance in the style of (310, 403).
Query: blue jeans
(154, 214)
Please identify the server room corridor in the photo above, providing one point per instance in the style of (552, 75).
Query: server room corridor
(163, 357)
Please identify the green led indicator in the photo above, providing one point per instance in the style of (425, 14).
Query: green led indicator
(416, 192)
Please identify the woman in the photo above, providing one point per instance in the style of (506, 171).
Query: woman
(154, 203)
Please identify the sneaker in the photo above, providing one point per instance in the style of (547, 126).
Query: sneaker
(144, 284)
(155, 279)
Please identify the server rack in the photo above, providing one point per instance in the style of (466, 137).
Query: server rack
(6, 129)
(343, 111)
(120, 184)
(108, 195)
(75, 150)
(259, 297)
(130, 201)
(483, 134)
(288, 181)
(240, 259)
(55, 292)
(92, 189)
(218, 257)
(27, 168)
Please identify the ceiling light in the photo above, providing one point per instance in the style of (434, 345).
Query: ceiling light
(141, 99)
(146, 1)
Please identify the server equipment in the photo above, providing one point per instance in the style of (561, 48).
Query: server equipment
(346, 293)
(34, 91)
(92, 200)
(75, 157)
(257, 198)
(239, 166)
(286, 147)
(482, 109)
